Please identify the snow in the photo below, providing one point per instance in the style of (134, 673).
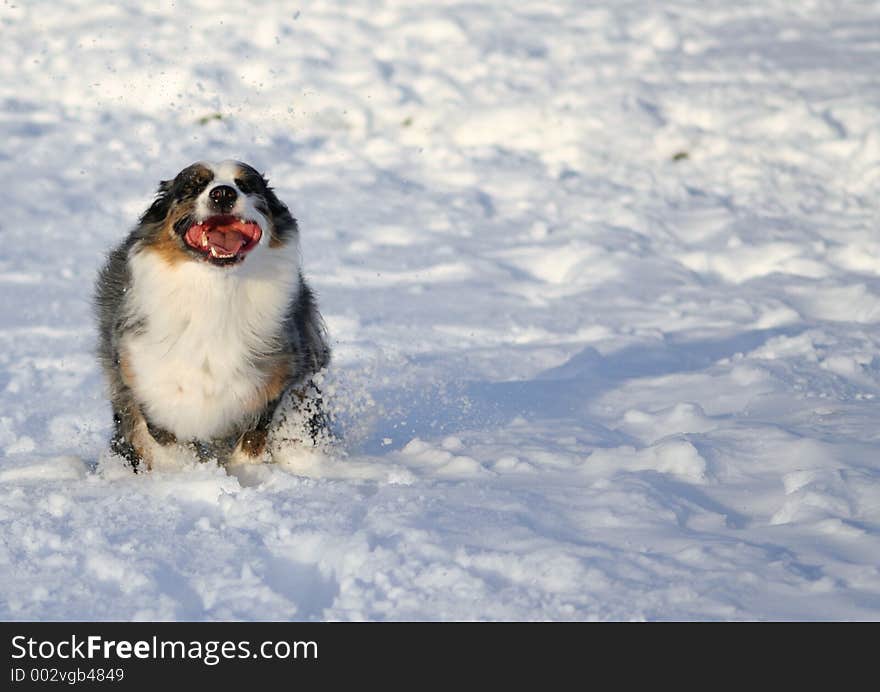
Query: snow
(602, 281)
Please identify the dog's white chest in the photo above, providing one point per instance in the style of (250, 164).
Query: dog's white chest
(193, 364)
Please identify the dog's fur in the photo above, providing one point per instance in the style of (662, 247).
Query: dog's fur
(199, 344)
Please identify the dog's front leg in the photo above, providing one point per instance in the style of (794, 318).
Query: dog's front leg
(121, 443)
(135, 439)
(251, 446)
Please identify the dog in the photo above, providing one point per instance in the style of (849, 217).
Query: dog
(206, 322)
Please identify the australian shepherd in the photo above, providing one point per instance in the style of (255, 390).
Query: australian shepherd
(206, 322)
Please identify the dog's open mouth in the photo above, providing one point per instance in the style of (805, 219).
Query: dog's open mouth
(223, 239)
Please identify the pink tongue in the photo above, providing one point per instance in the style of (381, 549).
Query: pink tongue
(229, 242)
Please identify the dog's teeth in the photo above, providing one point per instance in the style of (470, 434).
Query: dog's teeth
(204, 241)
(221, 255)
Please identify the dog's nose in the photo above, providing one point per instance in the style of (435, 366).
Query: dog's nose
(223, 196)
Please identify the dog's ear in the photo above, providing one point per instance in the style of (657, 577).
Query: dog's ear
(282, 219)
(159, 208)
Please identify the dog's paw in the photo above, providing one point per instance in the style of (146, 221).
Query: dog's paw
(251, 449)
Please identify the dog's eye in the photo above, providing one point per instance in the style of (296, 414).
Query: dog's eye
(191, 182)
(245, 185)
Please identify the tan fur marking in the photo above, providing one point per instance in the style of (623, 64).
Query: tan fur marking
(277, 380)
(166, 242)
(125, 369)
(142, 442)
(253, 443)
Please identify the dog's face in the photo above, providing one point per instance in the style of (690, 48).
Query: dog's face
(216, 213)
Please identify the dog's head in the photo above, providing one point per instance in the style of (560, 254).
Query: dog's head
(216, 213)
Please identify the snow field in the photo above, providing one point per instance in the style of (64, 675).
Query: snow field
(602, 281)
